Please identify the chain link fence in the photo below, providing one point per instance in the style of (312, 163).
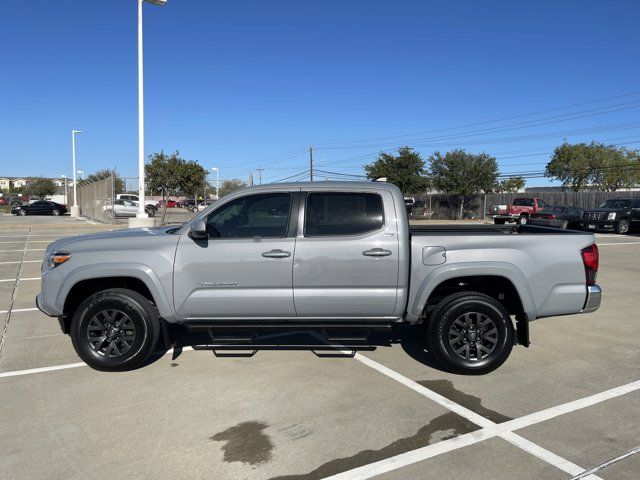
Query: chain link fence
(96, 199)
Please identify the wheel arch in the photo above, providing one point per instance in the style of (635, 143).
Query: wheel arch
(86, 281)
(491, 278)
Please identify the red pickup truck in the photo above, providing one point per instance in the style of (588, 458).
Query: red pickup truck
(519, 211)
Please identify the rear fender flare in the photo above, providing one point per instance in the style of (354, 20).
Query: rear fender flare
(497, 269)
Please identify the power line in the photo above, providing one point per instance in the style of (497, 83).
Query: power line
(485, 122)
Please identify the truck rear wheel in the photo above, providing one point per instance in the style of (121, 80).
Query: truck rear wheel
(470, 333)
(115, 329)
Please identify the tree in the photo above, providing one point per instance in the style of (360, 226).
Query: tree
(229, 186)
(461, 173)
(406, 170)
(595, 164)
(40, 187)
(510, 185)
(617, 168)
(106, 173)
(172, 173)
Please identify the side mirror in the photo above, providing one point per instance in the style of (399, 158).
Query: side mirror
(198, 229)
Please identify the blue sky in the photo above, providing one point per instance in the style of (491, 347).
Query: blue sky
(236, 85)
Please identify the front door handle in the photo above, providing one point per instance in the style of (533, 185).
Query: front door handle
(276, 254)
(377, 252)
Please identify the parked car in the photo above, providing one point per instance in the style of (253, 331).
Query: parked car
(346, 253)
(203, 205)
(519, 211)
(617, 214)
(187, 203)
(134, 198)
(40, 207)
(125, 208)
(3, 201)
(558, 216)
(170, 203)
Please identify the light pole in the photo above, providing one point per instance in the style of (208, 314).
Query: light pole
(141, 204)
(66, 201)
(217, 170)
(75, 209)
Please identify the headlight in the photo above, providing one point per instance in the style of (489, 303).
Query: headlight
(611, 216)
(54, 258)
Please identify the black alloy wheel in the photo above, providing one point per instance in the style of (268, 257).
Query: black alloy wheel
(470, 333)
(115, 329)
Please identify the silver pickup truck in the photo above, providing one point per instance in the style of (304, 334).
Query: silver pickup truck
(324, 254)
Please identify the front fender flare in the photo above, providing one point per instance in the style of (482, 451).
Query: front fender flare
(135, 270)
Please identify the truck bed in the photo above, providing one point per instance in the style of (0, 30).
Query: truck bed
(488, 229)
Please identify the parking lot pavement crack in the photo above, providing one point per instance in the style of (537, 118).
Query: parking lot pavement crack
(3, 336)
(444, 427)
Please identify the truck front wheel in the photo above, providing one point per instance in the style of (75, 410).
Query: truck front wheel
(470, 333)
(115, 329)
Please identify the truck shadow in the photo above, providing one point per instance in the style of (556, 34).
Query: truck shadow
(410, 338)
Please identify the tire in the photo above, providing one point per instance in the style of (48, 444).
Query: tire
(564, 225)
(498, 221)
(522, 220)
(150, 211)
(55, 212)
(622, 226)
(22, 212)
(114, 350)
(458, 352)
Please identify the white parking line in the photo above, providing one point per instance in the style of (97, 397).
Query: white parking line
(18, 310)
(490, 428)
(25, 250)
(19, 279)
(618, 243)
(18, 261)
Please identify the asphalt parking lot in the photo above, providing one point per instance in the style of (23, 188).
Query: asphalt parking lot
(568, 403)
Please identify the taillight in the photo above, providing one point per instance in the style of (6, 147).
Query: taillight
(590, 258)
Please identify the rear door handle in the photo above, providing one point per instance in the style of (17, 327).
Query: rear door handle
(276, 254)
(377, 252)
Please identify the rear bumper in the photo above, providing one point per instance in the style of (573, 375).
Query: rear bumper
(594, 297)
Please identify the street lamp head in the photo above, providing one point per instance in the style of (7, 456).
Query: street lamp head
(76, 131)
(160, 3)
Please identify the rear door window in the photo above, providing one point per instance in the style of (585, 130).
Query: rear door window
(523, 202)
(338, 213)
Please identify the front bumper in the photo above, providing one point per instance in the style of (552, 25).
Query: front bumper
(41, 307)
(594, 297)
(503, 216)
(599, 224)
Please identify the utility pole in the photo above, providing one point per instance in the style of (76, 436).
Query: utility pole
(259, 175)
(311, 163)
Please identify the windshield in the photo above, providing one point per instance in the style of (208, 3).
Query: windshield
(616, 204)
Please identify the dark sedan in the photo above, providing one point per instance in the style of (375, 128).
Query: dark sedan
(41, 207)
(558, 216)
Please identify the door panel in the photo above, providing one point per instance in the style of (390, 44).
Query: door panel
(233, 278)
(350, 275)
(244, 268)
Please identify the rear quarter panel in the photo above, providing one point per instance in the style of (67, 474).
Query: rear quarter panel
(546, 269)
